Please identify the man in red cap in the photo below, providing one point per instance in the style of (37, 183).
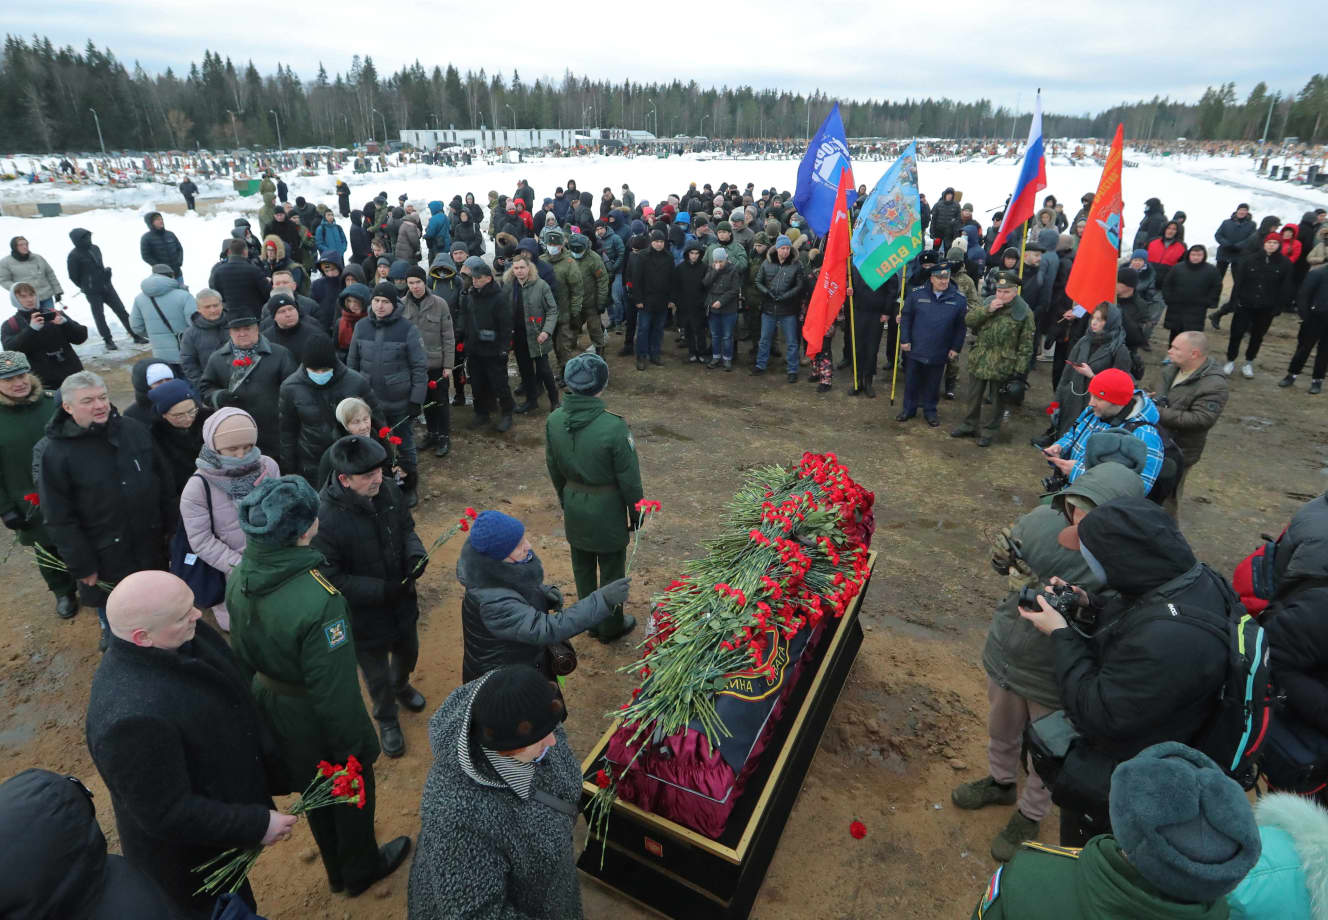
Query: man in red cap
(1113, 403)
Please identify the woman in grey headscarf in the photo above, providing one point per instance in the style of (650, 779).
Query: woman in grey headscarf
(229, 467)
(1101, 346)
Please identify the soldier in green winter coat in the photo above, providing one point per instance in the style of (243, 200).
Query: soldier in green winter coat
(25, 408)
(1003, 327)
(594, 295)
(568, 289)
(593, 464)
(292, 629)
(1184, 838)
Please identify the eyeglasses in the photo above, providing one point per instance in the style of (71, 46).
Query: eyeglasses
(181, 416)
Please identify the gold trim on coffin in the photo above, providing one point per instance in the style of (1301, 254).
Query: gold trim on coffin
(734, 855)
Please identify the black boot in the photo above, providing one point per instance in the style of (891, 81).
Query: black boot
(443, 446)
(393, 742)
(527, 406)
(66, 606)
(110, 344)
(390, 857)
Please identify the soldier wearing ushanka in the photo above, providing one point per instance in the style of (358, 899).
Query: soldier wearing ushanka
(593, 464)
(292, 628)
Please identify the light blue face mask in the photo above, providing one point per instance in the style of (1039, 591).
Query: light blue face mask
(542, 754)
(1093, 565)
(577, 255)
(554, 250)
(319, 377)
(530, 554)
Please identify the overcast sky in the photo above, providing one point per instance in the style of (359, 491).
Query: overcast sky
(1086, 55)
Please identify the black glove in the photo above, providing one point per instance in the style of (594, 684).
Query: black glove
(633, 519)
(554, 595)
(416, 565)
(222, 398)
(59, 298)
(414, 410)
(615, 592)
(15, 521)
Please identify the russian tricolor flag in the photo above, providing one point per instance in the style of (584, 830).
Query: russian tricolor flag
(1032, 179)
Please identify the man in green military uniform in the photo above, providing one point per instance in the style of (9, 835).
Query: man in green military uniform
(1003, 347)
(594, 295)
(592, 462)
(25, 408)
(292, 628)
(568, 290)
(1183, 838)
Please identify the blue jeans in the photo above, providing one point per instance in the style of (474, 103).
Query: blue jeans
(101, 618)
(649, 333)
(721, 334)
(617, 303)
(790, 326)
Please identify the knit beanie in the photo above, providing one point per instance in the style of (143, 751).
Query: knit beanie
(495, 534)
(1127, 276)
(1183, 823)
(416, 271)
(158, 372)
(657, 234)
(514, 707)
(586, 374)
(319, 352)
(279, 511)
(386, 289)
(229, 427)
(1139, 254)
(782, 240)
(720, 254)
(168, 394)
(1114, 385)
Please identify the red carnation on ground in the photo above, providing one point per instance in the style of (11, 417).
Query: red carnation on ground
(857, 830)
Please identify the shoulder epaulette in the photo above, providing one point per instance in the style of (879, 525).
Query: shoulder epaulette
(327, 585)
(1067, 852)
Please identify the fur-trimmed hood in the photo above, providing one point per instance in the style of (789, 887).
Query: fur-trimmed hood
(35, 395)
(1291, 878)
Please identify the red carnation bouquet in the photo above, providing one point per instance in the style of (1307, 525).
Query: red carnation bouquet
(462, 525)
(333, 784)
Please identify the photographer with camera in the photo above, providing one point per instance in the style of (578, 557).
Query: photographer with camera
(1113, 403)
(1019, 660)
(44, 334)
(1143, 666)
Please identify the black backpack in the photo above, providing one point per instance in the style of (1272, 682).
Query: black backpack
(1173, 462)
(1234, 734)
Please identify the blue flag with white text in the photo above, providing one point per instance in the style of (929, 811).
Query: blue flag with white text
(818, 174)
(888, 233)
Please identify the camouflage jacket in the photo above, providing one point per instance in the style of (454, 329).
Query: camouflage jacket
(1004, 340)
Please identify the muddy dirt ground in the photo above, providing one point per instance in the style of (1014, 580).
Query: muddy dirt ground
(910, 722)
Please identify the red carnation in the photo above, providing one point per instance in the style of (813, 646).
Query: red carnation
(325, 768)
(472, 513)
(394, 440)
(353, 766)
(858, 830)
(464, 524)
(602, 779)
(33, 499)
(433, 384)
(384, 432)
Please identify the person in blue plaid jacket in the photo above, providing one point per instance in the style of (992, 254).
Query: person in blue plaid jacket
(1113, 403)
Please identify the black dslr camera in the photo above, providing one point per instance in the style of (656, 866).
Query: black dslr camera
(1055, 482)
(1061, 598)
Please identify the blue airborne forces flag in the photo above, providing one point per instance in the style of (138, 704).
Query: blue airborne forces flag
(818, 174)
(889, 230)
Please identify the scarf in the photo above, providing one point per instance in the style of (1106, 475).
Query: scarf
(241, 473)
(346, 327)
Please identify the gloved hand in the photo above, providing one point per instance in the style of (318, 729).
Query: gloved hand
(416, 565)
(1006, 556)
(554, 595)
(615, 592)
(15, 521)
(59, 298)
(414, 410)
(633, 519)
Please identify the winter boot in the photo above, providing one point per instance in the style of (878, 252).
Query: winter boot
(1018, 829)
(983, 792)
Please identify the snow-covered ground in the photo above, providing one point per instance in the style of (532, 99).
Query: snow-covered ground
(1207, 189)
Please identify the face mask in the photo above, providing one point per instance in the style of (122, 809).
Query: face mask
(1093, 565)
(577, 255)
(554, 250)
(530, 555)
(319, 377)
(542, 755)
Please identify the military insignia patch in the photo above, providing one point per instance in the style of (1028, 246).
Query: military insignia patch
(993, 892)
(327, 585)
(335, 633)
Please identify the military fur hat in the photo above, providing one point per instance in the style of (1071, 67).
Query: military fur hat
(355, 454)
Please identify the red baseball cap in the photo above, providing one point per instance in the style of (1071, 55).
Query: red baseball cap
(1114, 385)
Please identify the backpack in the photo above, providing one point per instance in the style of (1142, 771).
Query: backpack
(1255, 577)
(1234, 734)
(1173, 461)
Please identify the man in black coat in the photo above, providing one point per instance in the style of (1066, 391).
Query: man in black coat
(286, 324)
(242, 285)
(1233, 231)
(945, 219)
(487, 325)
(308, 407)
(247, 372)
(176, 736)
(872, 312)
(1152, 224)
(91, 276)
(367, 535)
(1312, 304)
(47, 337)
(1147, 672)
(188, 190)
(105, 493)
(1265, 285)
(160, 246)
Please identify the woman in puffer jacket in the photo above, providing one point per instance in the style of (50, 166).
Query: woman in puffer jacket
(229, 467)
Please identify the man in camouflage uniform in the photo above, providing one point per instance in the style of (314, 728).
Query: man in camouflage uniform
(1003, 327)
(568, 291)
(594, 295)
(292, 628)
(961, 279)
(593, 464)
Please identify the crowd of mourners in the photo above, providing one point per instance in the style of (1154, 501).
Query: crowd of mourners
(268, 463)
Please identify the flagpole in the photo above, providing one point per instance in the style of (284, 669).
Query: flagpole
(899, 331)
(852, 326)
(1022, 243)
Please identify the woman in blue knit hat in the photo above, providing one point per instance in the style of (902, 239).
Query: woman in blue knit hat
(508, 614)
